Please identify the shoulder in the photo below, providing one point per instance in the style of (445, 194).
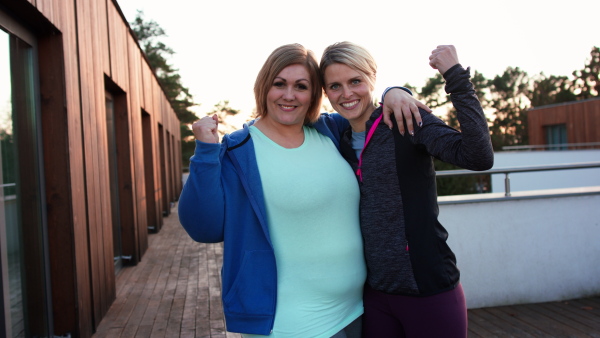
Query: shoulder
(331, 120)
(238, 137)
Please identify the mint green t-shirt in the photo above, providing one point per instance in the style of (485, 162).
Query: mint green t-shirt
(312, 200)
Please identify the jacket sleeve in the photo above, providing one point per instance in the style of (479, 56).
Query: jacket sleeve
(201, 204)
(471, 148)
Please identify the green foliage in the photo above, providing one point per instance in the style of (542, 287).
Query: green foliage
(460, 185)
(433, 92)
(551, 90)
(157, 53)
(223, 110)
(587, 82)
(510, 100)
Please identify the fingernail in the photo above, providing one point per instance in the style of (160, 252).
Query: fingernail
(412, 133)
(402, 133)
(420, 124)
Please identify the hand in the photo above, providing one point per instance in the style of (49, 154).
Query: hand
(443, 58)
(405, 106)
(205, 129)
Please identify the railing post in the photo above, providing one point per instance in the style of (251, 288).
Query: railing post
(507, 186)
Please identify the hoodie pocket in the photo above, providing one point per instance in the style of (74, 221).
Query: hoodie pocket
(254, 290)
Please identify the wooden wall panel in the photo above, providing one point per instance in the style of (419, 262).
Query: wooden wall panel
(135, 101)
(102, 37)
(147, 79)
(582, 119)
(90, 23)
(119, 59)
(49, 9)
(119, 65)
(77, 176)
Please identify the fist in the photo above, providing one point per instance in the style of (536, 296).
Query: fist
(205, 129)
(443, 58)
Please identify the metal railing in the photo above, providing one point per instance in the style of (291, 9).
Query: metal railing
(560, 146)
(507, 171)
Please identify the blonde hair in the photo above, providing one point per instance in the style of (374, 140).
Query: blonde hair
(353, 56)
(280, 58)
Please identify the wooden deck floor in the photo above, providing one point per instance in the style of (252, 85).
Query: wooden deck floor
(175, 292)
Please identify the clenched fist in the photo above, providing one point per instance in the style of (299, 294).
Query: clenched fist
(443, 58)
(205, 129)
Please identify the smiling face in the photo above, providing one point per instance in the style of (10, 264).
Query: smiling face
(349, 94)
(289, 96)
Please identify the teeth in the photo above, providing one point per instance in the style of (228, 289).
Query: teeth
(349, 104)
(287, 107)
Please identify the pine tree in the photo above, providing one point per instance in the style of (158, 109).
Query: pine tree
(157, 53)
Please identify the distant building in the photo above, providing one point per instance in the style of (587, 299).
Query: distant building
(572, 123)
(90, 162)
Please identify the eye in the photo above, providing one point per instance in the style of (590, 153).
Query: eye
(302, 86)
(278, 84)
(356, 81)
(334, 86)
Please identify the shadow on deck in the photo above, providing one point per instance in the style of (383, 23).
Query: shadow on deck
(175, 292)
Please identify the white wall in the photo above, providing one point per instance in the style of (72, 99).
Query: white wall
(526, 250)
(546, 179)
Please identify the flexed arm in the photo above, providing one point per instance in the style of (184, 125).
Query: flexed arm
(471, 148)
(201, 204)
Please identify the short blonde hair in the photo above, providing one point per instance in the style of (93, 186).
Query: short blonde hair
(353, 56)
(280, 58)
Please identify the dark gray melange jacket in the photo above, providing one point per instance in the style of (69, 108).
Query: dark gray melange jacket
(405, 245)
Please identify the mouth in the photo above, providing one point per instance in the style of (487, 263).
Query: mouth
(287, 107)
(350, 105)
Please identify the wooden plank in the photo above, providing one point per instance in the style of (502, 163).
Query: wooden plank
(506, 325)
(96, 166)
(135, 98)
(59, 215)
(573, 313)
(514, 322)
(586, 308)
(478, 326)
(67, 25)
(544, 323)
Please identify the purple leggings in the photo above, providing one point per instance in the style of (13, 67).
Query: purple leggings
(441, 315)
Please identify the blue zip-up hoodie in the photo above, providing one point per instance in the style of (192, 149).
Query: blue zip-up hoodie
(223, 201)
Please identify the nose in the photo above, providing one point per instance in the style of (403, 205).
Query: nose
(288, 94)
(346, 92)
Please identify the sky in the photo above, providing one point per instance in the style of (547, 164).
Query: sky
(220, 45)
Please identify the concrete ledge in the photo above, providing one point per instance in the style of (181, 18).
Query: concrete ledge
(533, 194)
(536, 246)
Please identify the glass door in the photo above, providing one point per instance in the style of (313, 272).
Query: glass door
(23, 250)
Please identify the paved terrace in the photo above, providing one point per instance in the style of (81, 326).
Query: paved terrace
(175, 292)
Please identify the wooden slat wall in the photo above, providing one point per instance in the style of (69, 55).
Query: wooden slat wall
(119, 74)
(96, 42)
(135, 97)
(64, 18)
(91, 52)
(582, 119)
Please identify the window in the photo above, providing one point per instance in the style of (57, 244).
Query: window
(556, 135)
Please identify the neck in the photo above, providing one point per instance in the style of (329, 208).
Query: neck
(287, 136)
(360, 123)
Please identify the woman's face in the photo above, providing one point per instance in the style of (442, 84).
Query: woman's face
(348, 92)
(290, 96)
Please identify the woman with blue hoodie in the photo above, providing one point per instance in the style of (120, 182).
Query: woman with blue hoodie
(285, 203)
